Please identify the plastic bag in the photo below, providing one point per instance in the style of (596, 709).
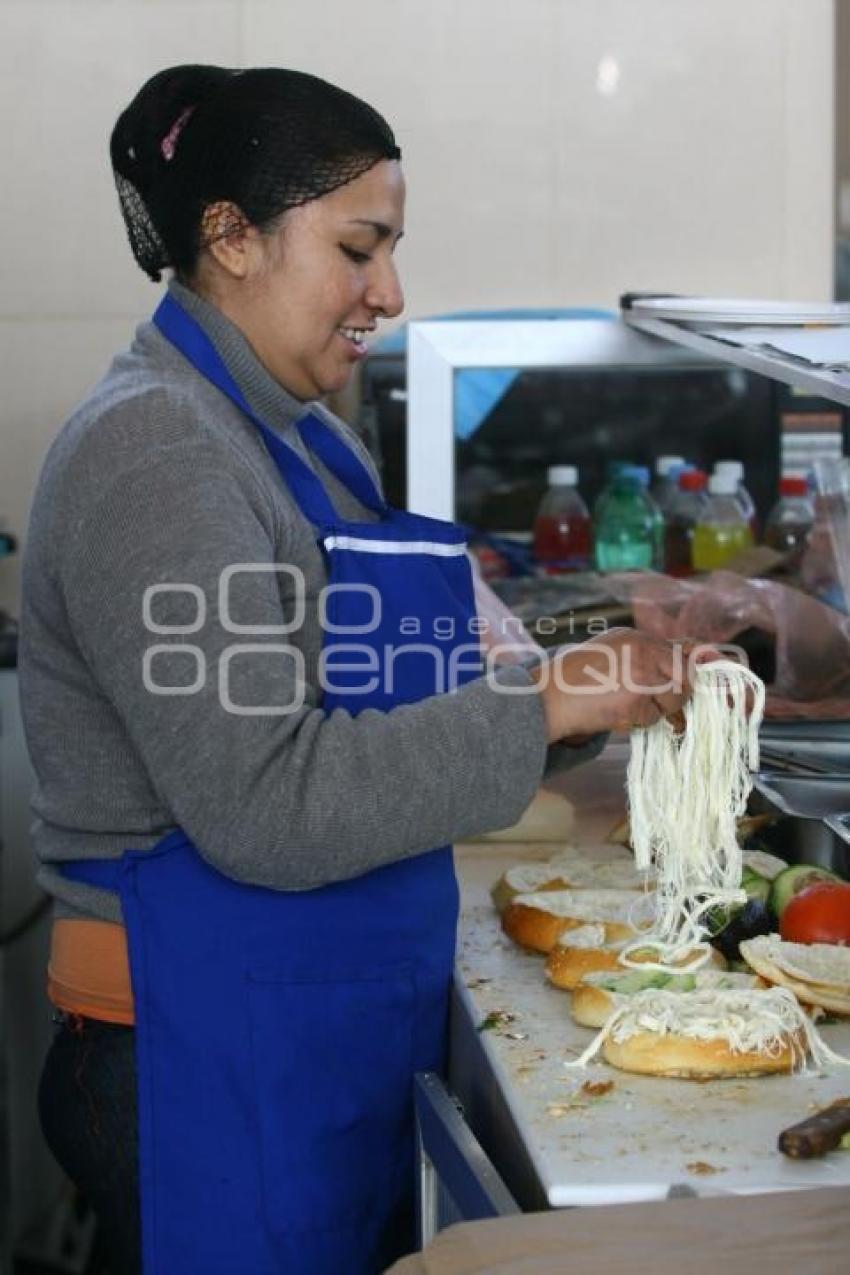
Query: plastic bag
(812, 639)
(501, 631)
(825, 570)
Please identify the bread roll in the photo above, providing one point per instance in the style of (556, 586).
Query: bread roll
(566, 965)
(568, 871)
(672, 1055)
(817, 973)
(525, 878)
(536, 921)
(707, 1033)
(591, 1006)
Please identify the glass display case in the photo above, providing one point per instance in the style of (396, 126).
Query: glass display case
(467, 425)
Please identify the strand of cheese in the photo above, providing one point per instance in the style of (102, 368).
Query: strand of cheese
(686, 792)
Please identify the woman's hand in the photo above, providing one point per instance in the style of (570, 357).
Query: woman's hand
(618, 681)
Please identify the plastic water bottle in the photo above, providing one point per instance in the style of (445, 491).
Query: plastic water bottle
(722, 530)
(612, 468)
(562, 534)
(642, 474)
(665, 487)
(628, 526)
(685, 511)
(748, 506)
(790, 520)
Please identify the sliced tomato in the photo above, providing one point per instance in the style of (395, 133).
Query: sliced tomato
(818, 914)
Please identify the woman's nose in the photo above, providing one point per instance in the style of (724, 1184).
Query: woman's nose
(384, 293)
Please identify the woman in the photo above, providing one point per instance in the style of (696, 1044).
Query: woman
(243, 763)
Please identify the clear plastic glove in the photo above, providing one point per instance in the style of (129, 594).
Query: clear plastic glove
(812, 639)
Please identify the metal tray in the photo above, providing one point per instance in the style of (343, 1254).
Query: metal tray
(799, 839)
(814, 796)
(800, 732)
(824, 755)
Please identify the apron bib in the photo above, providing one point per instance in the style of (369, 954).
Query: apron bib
(277, 1033)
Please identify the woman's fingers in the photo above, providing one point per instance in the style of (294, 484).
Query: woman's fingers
(677, 721)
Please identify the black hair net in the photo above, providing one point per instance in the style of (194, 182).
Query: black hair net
(265, 139)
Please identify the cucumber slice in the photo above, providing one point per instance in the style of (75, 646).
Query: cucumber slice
(795, 879)
(756, 886)
(635, 981)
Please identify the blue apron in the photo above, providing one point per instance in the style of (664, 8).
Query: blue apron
(277, 1033)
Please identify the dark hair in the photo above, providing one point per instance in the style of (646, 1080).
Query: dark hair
(265, 140)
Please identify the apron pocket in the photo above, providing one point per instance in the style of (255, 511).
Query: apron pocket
(333, 1065)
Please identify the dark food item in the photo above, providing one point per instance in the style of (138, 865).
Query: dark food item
(755, 917)
(818, 1134)
(729, 925)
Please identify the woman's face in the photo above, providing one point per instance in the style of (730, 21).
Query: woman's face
(319, 284)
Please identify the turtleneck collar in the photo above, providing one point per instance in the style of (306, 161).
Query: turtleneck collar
(273, 404)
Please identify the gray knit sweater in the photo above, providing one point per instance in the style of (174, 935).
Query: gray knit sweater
(158, 478)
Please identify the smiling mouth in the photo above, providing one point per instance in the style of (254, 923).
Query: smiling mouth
(356, 337)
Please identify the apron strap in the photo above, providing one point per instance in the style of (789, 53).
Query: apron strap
(342, 462)
(182, 331)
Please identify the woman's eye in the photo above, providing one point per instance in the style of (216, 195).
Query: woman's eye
(360, 258)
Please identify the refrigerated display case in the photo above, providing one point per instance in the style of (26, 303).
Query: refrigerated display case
(466, 425)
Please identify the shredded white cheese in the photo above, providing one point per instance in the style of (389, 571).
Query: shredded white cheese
(762, 1021)
(686, 792)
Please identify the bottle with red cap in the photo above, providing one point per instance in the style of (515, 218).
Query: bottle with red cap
(562, 535)
(790, 520)
(665, 487)
(683, 514)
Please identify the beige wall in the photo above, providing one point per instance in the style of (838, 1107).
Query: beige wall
(558, 152)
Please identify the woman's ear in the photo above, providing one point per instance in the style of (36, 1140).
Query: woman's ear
(230, 239)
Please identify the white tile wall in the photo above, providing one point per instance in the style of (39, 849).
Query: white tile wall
(557, 153)
(674, 176)
(67, 67)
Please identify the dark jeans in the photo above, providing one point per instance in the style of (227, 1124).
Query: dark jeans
(87, 1106)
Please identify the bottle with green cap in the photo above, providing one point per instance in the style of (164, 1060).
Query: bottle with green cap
(628, 528)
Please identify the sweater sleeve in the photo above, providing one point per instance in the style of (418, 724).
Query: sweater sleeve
(293, 799)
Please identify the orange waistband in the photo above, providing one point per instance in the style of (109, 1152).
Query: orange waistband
(89, 972)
